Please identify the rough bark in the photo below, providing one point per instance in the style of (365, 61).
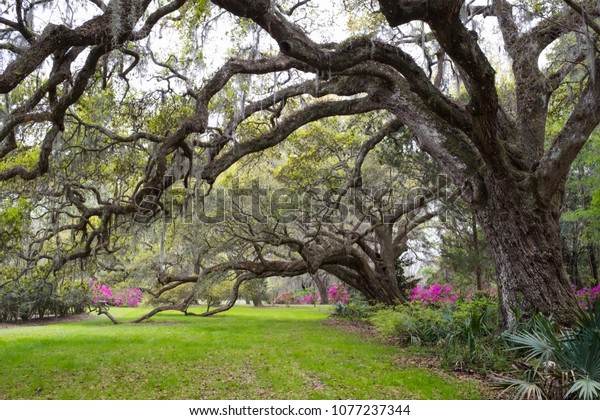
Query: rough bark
(378, 285)
(524, 237)
(517, 191)
(476, 250)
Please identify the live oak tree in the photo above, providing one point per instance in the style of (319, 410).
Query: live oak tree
(511, 174)
(326, 206)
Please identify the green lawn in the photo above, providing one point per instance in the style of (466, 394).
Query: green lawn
(246, 353)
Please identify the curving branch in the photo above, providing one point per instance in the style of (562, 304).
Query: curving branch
(556, 161)
(155, 17)
(280, 132)
(532, 88)
(356, 177)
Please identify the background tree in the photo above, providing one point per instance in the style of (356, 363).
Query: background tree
(580, 223)
(315, 211)
(464, 256)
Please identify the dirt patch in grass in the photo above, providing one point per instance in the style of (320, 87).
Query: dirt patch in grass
(354, 327)
(46, 321)
(311, 380)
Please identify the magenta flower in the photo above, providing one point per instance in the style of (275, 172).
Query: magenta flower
(434, 294)
(338, 293)
(586, 296)
(103, 294)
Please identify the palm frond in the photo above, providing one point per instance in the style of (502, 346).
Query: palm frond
(570, 359)
(586, 389)
(534, 344)
(525, 390)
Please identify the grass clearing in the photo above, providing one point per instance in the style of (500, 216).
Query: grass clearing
(246, 353)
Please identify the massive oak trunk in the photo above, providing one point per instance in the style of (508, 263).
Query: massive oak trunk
(524, 237)
(370, 268)
(379, 286)
(383, 286)
(513, 181)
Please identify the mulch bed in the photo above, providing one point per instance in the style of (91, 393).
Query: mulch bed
(354, 327)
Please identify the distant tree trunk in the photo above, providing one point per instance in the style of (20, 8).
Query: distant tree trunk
(385, 289)
(378, 285)
(476, 249)
(570, 261)
(575, 250)
(320, 282)
(593, 261)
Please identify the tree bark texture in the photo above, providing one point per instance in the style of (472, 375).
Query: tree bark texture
(525, 242)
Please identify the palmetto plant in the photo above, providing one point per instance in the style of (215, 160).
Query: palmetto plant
(559, 363)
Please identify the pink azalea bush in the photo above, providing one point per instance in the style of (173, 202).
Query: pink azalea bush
(307, 299)
(284, 298)
(133, 297)
(338, 293)
(297, 298)
(103, 295)
(586, 296)
(435, 294)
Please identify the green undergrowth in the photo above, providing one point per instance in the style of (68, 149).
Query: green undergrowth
(246, 353)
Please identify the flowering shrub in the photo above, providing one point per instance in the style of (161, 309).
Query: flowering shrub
(463, 334)
(284, 298)
(103, 295)
(352, 311)
(338, 293)
(130, 298)
(586, 296)
(304, 297)
(436, 294)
